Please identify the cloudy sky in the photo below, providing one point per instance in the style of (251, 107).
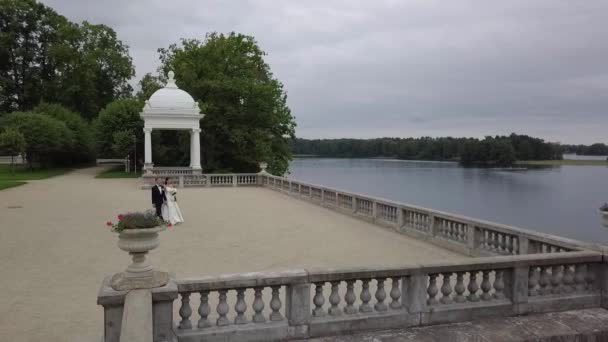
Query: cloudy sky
(402, 68)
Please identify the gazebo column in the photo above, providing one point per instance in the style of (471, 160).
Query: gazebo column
(148, 150)
(195, 150)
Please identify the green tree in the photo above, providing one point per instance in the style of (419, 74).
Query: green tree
(119, 115)
(47, 139)
(123, 143)
(83, 149)
(147, 86)
(43, 56)
(12, 143)
(247, 117)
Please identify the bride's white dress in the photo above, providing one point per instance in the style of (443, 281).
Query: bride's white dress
(170, 209)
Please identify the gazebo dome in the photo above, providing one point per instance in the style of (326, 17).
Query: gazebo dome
(171, 97)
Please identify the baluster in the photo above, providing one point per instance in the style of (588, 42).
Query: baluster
(544, 281)
(459, 288)
(473, 287)
(481, 238)
(532, 281)
(432, 290)
(515, 244)
(334, 299)
(499, 285)
(446, 288)
(590, 278)
(486, 286)
(204, 310)
(490, 240)
(240, 307)
(275, 304)
(222, 309)
(350, 298)
(507, 240)
(395, 294)
(463, 232)
(258, 305)
(556, 279)
(365, 296)
(380, 296)
(319, 300)
(568, 279)
(185, 312)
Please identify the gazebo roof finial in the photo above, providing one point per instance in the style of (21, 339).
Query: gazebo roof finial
(171, 80)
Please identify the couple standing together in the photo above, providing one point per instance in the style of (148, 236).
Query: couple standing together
(165, 201)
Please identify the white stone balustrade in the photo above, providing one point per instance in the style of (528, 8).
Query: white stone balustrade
(454, 232)
(277, 306)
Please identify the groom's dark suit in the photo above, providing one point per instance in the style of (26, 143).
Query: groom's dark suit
(158, 197)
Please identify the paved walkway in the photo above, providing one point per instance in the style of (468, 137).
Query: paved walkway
(55, 248)
(576, 325)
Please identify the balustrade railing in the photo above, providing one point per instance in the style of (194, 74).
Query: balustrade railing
(300, 304)
(461, 234)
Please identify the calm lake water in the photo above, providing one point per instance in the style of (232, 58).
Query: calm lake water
(560, 200)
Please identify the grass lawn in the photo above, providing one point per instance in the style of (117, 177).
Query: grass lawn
(564, 162)
(5, 184)
(118, 172)
(22, 173)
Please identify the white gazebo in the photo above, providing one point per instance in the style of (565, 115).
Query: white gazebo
(171, 108)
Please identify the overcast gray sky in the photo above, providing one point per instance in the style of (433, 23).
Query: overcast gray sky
(402, 68)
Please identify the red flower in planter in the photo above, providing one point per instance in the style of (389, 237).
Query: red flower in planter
(120, 216)
(169, 225)
(109, 223)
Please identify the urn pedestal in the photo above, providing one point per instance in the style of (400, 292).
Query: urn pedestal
(139, 274)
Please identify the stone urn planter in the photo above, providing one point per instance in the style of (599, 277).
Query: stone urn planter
(263, 167)
(138, 242)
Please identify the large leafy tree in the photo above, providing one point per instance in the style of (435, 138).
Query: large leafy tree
(247, 117)
(43, 56)
(48, 140)
(12, 143)
(83, 148)
(119, 115)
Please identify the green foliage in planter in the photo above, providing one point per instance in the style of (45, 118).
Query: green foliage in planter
(137, 220)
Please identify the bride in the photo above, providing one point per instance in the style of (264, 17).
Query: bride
(170, 209)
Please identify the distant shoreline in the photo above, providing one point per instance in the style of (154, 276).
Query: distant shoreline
(568, 162)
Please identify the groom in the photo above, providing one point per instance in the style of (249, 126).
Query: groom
(158, 196)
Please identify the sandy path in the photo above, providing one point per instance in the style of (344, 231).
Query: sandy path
(55, 249)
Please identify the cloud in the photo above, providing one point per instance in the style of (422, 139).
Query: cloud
(356, 68)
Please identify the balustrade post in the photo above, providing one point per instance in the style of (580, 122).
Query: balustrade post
(354, 199)
(471, 237)
(602, 278)
(297, 304)
(399, 218)
(234, 180)
(181, 181)
(414, 293)
(517, 285)
(432, 225)
(322, 195)
(374, 210)
(524, 245)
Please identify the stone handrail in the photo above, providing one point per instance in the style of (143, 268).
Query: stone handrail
(185, 178)
(322, 302)
(455, 232)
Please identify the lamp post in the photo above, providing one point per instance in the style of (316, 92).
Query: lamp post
(135, 153)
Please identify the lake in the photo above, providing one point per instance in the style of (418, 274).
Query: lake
(560, 200)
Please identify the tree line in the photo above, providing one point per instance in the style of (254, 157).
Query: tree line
(597, 149)
(65, 97)
(497, 151)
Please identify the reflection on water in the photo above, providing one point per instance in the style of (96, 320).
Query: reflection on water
(559, 200)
